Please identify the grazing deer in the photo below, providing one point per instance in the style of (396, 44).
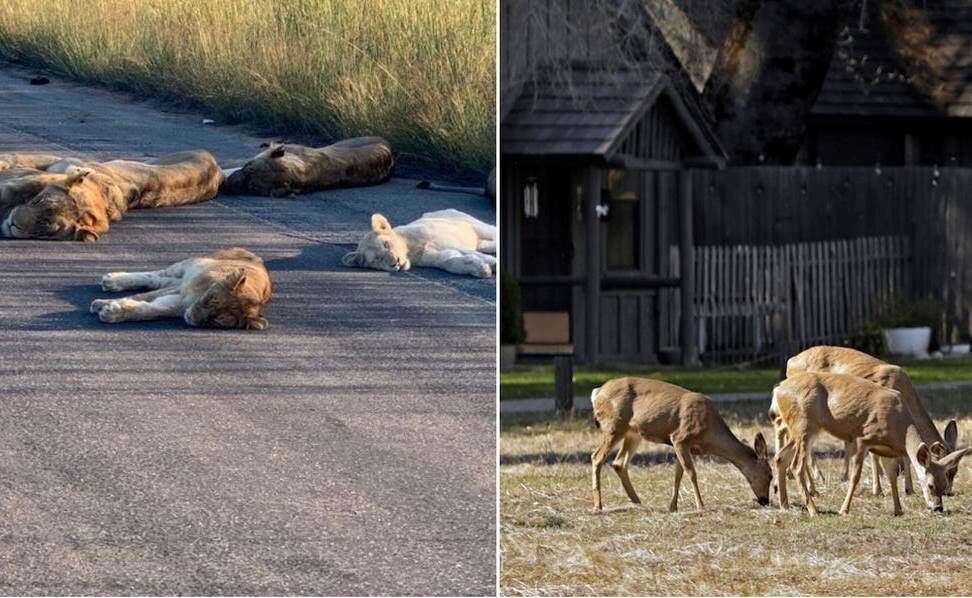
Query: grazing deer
(632, 409)
(869, 416)
(843, 360)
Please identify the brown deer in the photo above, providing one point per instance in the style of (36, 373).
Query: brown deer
(869, 416)
(632, 409)
(844, 360)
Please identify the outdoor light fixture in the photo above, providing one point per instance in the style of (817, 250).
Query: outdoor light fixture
(531, 198)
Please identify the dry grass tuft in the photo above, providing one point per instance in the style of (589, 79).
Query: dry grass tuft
(553, 544)
(419, 72)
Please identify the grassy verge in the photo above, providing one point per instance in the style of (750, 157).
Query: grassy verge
(551, 543)
(537, 382)
(418, 72)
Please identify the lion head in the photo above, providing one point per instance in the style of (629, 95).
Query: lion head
(270, 173)
(382, 248)
(58, 212)
(230, 303)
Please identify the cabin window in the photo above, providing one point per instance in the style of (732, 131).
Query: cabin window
(623, 235)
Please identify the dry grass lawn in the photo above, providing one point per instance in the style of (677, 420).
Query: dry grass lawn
(553, 544)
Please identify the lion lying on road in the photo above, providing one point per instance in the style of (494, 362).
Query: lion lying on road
(448, 239)
(81, 205)
(27, 160)
(289, 169)
(225, 289)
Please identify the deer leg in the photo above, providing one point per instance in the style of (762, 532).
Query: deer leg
(685, 458)
(848, 451)
(859, 456)
(891, 466)
(597, 460)
(620, 464)
(782, 461)
(906, 472)
(876, 475)
(673, 507)
(810, 469)
(803, 474)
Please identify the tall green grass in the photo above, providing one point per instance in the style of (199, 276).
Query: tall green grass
(418, 72)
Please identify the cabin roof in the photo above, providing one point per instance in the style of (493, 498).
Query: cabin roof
(588, 111)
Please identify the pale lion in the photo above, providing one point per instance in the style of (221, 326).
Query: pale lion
(28, 160)
(81, 206)
(290, 169)
(225, 289)
(448, 239)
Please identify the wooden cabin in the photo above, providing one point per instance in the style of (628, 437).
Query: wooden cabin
(595, 193)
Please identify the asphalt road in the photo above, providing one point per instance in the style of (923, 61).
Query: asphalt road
(348, 449)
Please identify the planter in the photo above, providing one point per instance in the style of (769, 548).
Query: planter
(912, 342)
(962, 349)
(507, 357)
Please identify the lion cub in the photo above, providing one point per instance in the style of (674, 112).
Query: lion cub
(448, 239)
(225, 289)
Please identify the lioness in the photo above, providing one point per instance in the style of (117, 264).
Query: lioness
(448, 239)
(27, 160)
(81, 206)
(225, 289)
(289, 169)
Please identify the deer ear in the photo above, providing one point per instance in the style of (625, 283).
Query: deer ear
(277, 152)
(952, 459)
(951, 435)
(380, 224)
(759, 444)
(352, 258)
(938, 450)
(923, 455)
(85, 235)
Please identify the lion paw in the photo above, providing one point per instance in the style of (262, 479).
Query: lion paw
(97, 304)
(483, 271)
(111, 281)
(112, 312)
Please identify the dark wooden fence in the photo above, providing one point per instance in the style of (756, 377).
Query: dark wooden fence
(931, 207)
(756, 303)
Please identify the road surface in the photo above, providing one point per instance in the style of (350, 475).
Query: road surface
(348, 449)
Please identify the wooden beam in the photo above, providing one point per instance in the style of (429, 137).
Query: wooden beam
(686, 253)
(634, 163)
(592, 303)
(637, 280)
(552, 280)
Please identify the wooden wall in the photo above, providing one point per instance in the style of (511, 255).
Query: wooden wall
(781, 205)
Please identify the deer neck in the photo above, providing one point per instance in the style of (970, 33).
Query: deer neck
(913, 440)
(725, 444)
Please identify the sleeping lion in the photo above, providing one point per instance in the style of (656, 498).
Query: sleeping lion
(81, 205)
(225, 289)
(448, 239)
(290, 169)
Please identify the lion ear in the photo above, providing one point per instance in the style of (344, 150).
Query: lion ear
(240, 276)
(77, 176)
(85, 235)
(277, 152)
(352, 258)
(380, 224)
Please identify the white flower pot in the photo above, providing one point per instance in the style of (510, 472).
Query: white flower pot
(912, 342)
(507, 357)
(962, 349)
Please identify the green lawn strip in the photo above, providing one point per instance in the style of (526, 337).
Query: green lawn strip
(537, 382)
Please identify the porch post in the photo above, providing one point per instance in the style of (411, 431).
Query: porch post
(592, 224)
(686, 260)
